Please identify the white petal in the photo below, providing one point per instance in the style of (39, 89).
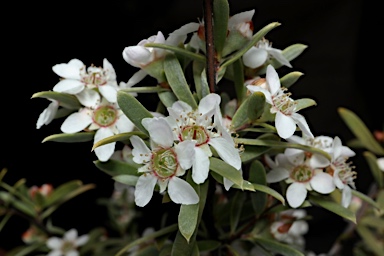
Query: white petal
(70, 70)
(285, 125)
(278, 55)
(318, 161)
(255, 57)
(54, 242)
(136, 78)
(277, 174)
(137, 55)
(89, 98)
(48, 114)
(185, 153)
(181, 192)
(226, 151)
(55, 253)
(73, 252)
(200, 168)
(209, 103)
(141, 153)
(302, 123)
(70, 235)
(69, 86)
(76, 122)
(181, 106)
(256, 88)
(144, 189)
(159, 131)
(109, 92)
(323, 183)
(227, 183)
(273, 79)
(296, 194)
(240, 18)
(123, 124)
(179, 35)
(346, 196)
(107, 66)
(82, 240)
(104, 152)
(380, 163)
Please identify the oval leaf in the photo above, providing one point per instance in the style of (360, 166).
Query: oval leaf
(290, 78)
(65, 100)
(304, 103)
(130, 180)
(226, 170)
(115, 167)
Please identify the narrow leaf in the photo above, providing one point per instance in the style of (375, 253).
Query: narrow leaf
(176, 79)
(178, 50)
(257, 175)
(238, 81)
(142, 89)
(65, 100)
(304, 103)
(277, 247)
(167, 98)
(360, 130)
(333, 207)
(123, 137)
(130, 180)
(365, 198)
(133, 109)
(115, 167)
(290, 78)
(200, 79)
(70, 138)
(226, 170)
(220, 21)
(236, 207)
(377, 173)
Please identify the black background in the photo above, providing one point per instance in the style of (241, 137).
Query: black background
(341, 66)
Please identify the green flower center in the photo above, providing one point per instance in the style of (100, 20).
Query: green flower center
(165, 163)
(197, 133)
(105, 116)
(67, 246)
(301, 173)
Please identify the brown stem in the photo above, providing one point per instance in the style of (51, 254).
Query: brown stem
(209, 45)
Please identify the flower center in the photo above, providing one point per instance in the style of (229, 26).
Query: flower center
(165, 163)
(105, 116)
(194, 132)
(67, 246)
(94, 78)
(283, 103)
(302, 173)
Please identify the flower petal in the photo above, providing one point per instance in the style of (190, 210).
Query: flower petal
(107, 66)
(76, 122)
(296, 194)
(277, 174)
(124, 124)
(255, 57)
(82, 240)
(209, 103)
(144, 189)
(48, 114)
(71, 235)
(141, 153)
(302, 123)
(185, 151)
(69, 86)
(226, 151)
(181, 192)
(104, 152)
(285, 125)
(54, 242)
(323, 183)
(159, 131)
(137, 55)
(89, 98)
(278, 55)
(240, 18)
(109, 92)
(70, 70)
(200, 168)
(346, 196)
(136, 78)
(273, 79)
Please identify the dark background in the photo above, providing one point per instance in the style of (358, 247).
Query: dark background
(340, 70)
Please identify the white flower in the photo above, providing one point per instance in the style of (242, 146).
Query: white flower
(106, 118)
(380, 163)
(66, 246)
(282, 105)
(48, 114)
(163, 164)
(242, 22)
(289, 227)
(81, 82)
(341, 170)
(257, 55)
(196, 125)
(301, 175)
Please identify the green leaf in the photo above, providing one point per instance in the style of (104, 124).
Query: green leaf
(237, 202)
(256, 37)
(200, 79)
(257, 175)
(177, 82)
(373, 221)
(178, 50)
(269, 191)
(116, 167)
(366, 198)
(377, 173)
(65, 100)
(71, 138)
(371, 241)
(226, 170)
(123, 137)
(280, 144)
(187, 220)
(250, 110)
(143, 89)
(333, 207)
(304, 103)
(167, 98)
(149, 237)
(208, 245)
(360, 130)
(220, 21)
(238, 81)
(25, 208)
(277, 247)
(130, 180)
(290, 78)
(133, 109)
